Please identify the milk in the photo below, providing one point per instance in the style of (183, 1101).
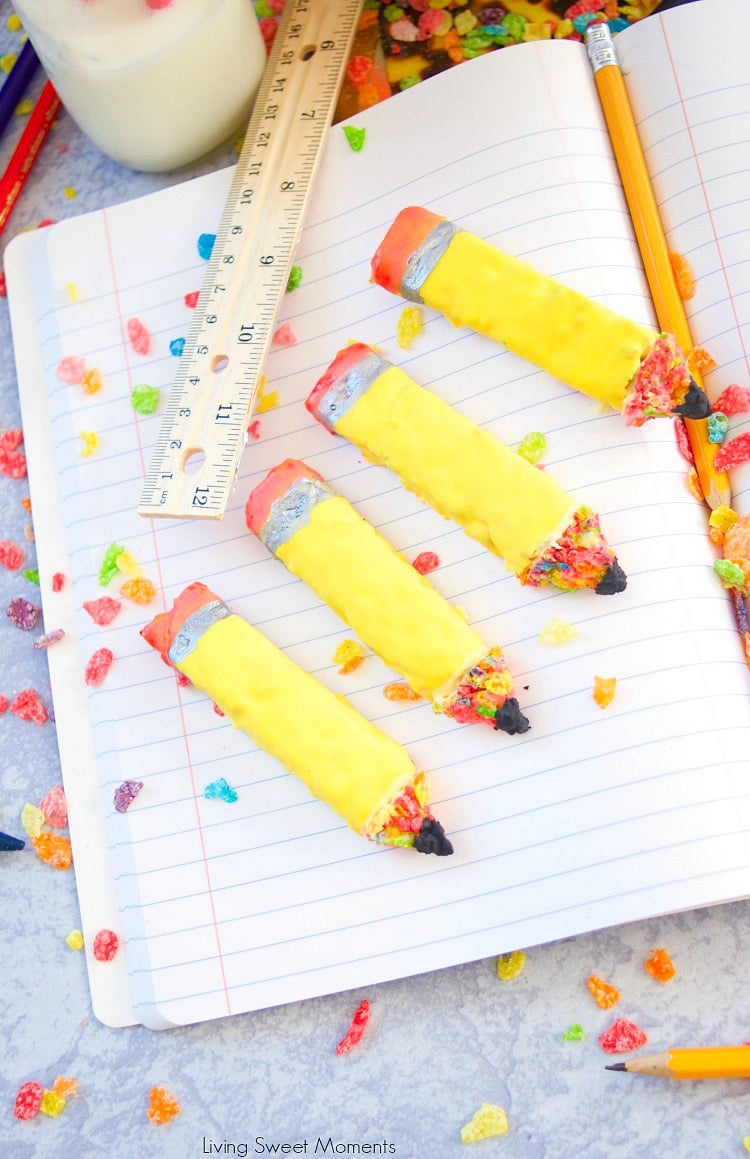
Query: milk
(155, 87)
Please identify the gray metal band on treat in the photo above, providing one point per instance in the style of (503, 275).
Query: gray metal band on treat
(194, 627)
(424, 259)
(600, 47)
(349, 388)
(293, 511)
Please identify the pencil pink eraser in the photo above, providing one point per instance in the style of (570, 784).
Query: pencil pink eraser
(160, 633)
(404, 236)
(276, 484)
(341, 365)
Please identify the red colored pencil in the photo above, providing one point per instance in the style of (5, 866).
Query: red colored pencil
(27, 150)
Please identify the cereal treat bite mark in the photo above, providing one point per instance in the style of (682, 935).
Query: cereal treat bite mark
(161, 1106)
(138, 336)
(220, 790)
(145, 398)
(125, 794)
(622, 1036)
(103, 610)
(604, 690)
(53, 849)
(98, 666)
(356, 1029)
(106, 945)
(74, 940)
(660, 966)
(28, 1101)
(604, 994)
(487, 1123)
(511, 965)
(55, 807)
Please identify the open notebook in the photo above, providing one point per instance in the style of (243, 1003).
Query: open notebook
(593, 817)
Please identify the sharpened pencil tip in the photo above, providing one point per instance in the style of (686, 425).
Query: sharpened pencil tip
(616, 1066)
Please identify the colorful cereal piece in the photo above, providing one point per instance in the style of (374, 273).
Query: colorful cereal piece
(106, 945)
(604, 994)
(206, 244)
(191, 299)
(486, 1123)
(28, 706)
(108, 568)
(161, 1106)
(12, 461)
(145, 398)
(295, 278)
(284, 336)
(140, 590)
(90, 441)
(28, 1101)
(683, 440)
(533, 446)
(74, 940)
(11, 556)
(509, 966)
(22, 613)
(3, 704)
(358, 69)
(58, 581)
(733, 453)
(91, 380)
(700, 361)
(55, 807)
(683, 276)
(660, 966)
(410, 323)
(574, 1033)
(356, 1029)
(125, 794)
(556, 632)
(730, 574)
(51, 1104)
(32, 820)
(718, 427)
(604, 690)
(53, 849)
(65, 1087)
(722, 518)
(254, 429)
(32, 575)
(400, 690)
(220, 790)
(103, 610)
(71, 370)
(267, 402)
(98, 666)
(733, 400)
(622, 1036)
(355, 137)
(426, 562)
(49, 638)
(349, 655)
(138, 336)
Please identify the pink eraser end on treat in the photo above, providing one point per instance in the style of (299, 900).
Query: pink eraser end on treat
(276, 483)
(404, 236)
(342, 363)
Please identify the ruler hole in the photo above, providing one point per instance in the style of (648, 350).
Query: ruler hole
(307, 52)
(219, 362)
(193, 460)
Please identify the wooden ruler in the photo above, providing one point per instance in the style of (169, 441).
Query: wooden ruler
(195, 460)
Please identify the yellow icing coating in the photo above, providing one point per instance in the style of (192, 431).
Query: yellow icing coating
(394, 610)
(581, 343)
(464, 472)
(342, 758)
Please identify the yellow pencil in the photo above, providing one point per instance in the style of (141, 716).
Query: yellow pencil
(649, 233)
(700, 1062)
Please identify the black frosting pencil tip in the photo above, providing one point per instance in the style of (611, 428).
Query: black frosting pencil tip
(616, 1066)
(431, 839)
(696, 404)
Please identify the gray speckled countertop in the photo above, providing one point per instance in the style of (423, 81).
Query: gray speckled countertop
(438, 1045)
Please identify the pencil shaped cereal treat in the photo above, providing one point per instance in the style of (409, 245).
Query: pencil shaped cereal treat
(465, 473)
(343, 760)
(632, 368)
(393, 609)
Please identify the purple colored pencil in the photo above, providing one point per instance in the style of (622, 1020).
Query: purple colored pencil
(18, 81)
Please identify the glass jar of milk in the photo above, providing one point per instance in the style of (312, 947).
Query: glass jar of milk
(155, 84)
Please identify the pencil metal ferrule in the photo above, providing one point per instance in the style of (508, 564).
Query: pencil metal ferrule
(600, 46)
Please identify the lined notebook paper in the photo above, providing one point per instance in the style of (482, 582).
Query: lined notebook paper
(593, 817)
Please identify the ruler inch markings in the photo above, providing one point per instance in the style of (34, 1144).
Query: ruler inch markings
(197, 452)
